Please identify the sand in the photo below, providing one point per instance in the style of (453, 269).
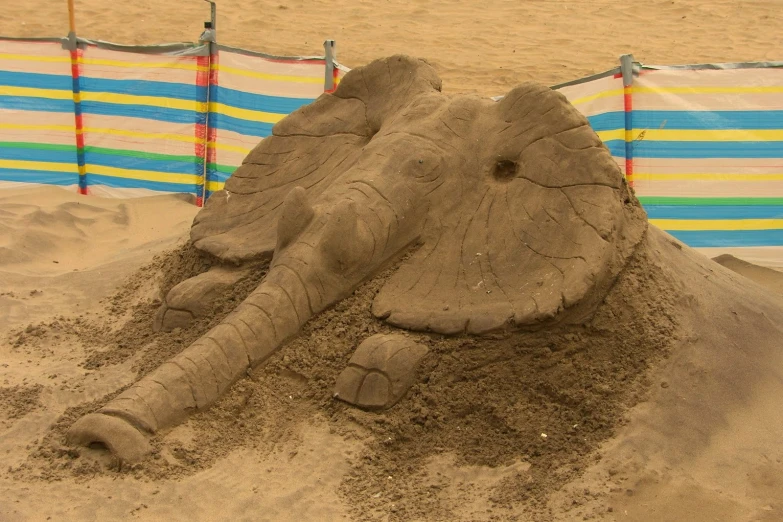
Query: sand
(487, 47)
(681, 419)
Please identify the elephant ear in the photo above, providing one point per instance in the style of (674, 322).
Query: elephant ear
(310, 148)
(542, 222)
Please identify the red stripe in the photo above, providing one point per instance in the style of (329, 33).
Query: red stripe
(200, 130)
(201, 134)
(202, 75)
(213, 73)
(212, 139)
(628, 105)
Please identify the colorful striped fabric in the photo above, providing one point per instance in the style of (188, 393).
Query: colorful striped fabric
(37, 133)
(707, 151)
(600, 99)
(708, 147)
(143, 121)
(704, 146)
(249, 93)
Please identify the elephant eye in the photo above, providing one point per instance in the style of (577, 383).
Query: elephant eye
(503, 170)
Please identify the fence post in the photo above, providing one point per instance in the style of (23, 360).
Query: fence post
(207, 153)
(73, 49)
(626, 68)
(330, 72)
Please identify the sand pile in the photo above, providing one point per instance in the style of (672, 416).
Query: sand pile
(568, 373)
(767, 278)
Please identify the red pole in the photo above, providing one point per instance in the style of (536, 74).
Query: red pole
(74, 51)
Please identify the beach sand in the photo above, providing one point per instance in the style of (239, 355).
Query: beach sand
(484, 47)
(81, 277)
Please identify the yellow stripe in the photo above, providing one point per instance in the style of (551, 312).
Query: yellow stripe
(718, 224)
(213, 186)
(268, 76)
(708, 135)
(153, 101)
(51, 94)
(33, 58)
(679, 90)
(707, 177)
(145, 135)
(708, 90)
(616, 134)
(265, 117)
(149, 65)
(21, 126)
(38, 165)
(592, 97)
(148, 175)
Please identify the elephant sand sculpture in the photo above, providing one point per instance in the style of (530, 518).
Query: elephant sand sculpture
(498, 216)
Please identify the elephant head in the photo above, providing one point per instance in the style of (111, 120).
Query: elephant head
(515, 213)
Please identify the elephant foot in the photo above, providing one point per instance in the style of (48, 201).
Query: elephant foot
(125, 442)
(193, 298)
(380, 372)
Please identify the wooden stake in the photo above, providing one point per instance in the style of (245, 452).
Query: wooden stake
(71, 17)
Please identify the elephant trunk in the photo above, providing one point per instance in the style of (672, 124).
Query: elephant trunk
(196, 377)
(317, 263)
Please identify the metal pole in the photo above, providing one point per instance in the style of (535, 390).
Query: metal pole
(626, 68)
(330, 55)
(213, 17)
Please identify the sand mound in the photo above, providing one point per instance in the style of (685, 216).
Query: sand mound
(563, 370)
(770, 279)
(514, 214)
(43, 232)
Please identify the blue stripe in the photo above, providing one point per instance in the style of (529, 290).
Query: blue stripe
(27, 154)
(240, 126)
(139, 111)
(691, 120)
(110, 181)
(28, 103)
(708, 120)
(729, 238)
(616, 147)
(135, 163)
(714, 211)
(107, 160)
(707, 149)
(216, 175)
(179, 91)
(259, 102)
(49, 177)
(607, 121)
(36, 80)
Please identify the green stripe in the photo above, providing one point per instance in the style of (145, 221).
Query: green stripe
(140, 154)
(228, 169)
(100, 150)
(664, 200)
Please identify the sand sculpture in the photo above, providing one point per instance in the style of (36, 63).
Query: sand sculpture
(502, 216)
